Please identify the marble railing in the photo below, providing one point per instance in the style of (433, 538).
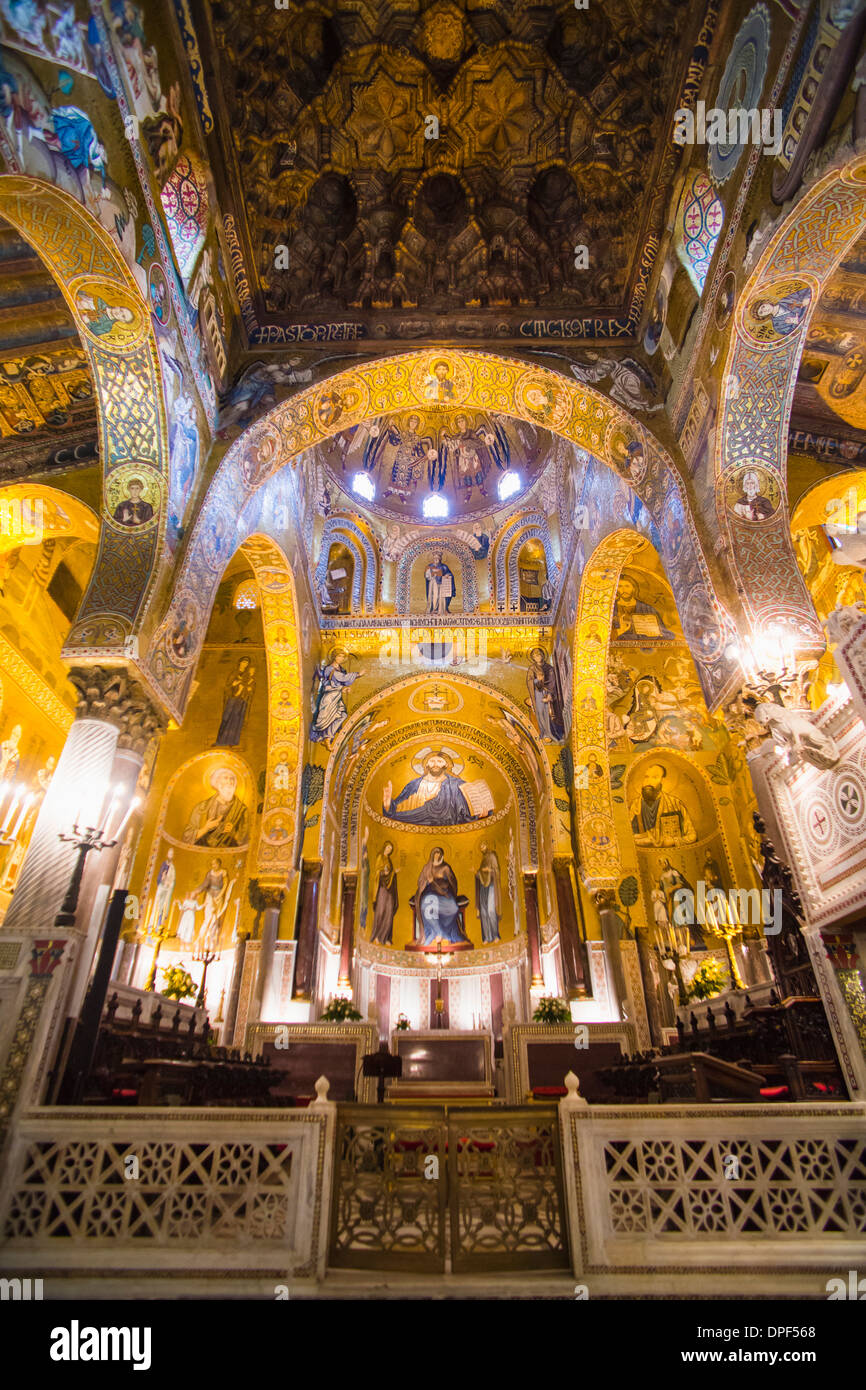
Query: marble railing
(158, 1202)
(709, 1199)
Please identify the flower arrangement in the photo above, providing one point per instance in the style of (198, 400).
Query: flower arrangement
(340, 1010)
(179, 984)
(402, 1023)
(709, 980)
(551, 1010)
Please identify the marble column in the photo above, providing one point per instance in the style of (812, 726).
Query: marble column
(268, 901)
(533, 936)
(115, 722)
(571, 938)
(308, 929)
(231, 1017)
(347, 928)
(613, 931)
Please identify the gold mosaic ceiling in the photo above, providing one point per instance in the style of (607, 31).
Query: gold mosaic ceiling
(831, 388)
(552, 135)
(47, 408)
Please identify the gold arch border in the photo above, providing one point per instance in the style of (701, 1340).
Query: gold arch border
(83, 521)
(599, 851)
(477, 380)
(279, 610)
(757, 392)
(80, 256)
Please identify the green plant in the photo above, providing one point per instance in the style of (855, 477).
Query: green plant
(402, 1023)
(179, 984)
(552, 1010)
(339, 1010)
(710, 979)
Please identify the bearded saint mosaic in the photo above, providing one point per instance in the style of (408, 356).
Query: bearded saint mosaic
(438, 795)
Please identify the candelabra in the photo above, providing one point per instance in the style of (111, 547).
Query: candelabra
(82, 1040)
(206, 957)
(729, 931)
(770, 668)
(159, 936)
(87, 838)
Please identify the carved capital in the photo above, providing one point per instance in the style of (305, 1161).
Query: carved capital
(111, 694)
(263, 896)
(605, 899)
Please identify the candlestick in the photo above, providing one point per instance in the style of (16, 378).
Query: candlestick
(28, 802)
(133, 806)
(13, 806)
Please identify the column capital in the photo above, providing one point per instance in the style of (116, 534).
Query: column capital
(263, 896)
(115, 696)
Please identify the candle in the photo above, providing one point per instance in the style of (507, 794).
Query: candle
(133, 806)
(13, 806)
(28, 802)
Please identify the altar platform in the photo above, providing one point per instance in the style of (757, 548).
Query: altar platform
(441, 1065)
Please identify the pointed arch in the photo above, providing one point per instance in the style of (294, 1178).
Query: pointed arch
(115, 329)
(598, 848)
(539, 761)
(371, 388)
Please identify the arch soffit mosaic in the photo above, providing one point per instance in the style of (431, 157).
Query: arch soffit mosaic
(124, 361)
(476, 380)
(596, 828)
(534, 767)
(769, 330)
(279, 609)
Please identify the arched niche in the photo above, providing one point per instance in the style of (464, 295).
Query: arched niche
(337, 590)
(532, 577)
(506, 549)
(437, 577)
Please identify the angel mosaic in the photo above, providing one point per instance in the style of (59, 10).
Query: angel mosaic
(329, 708)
